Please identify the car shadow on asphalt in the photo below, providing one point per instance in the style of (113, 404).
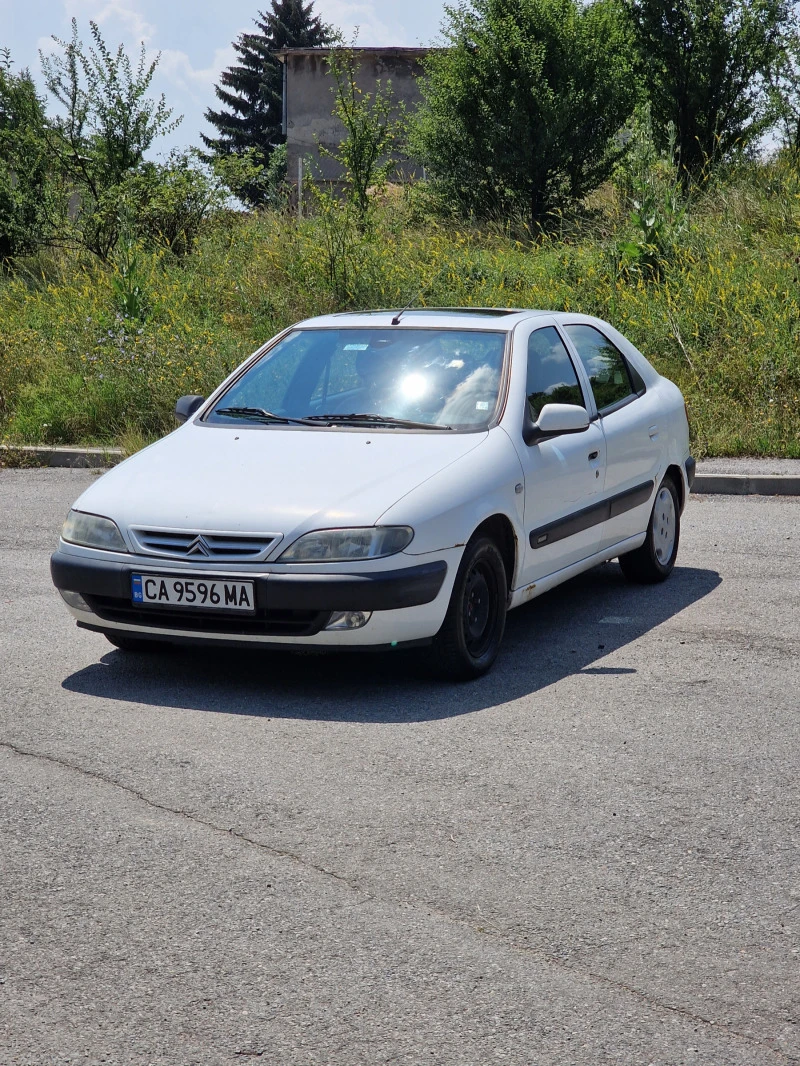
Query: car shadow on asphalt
(568, 631)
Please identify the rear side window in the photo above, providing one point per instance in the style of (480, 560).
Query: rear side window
(637, 379)
(551, 375)
(605, 365)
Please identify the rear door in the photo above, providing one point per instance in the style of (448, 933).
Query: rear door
(629, 418)
(563, 475)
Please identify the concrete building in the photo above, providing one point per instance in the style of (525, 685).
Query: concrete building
(308, 102)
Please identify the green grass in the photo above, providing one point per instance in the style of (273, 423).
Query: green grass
(724, 321)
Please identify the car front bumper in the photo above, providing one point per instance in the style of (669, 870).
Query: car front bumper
(407, 604)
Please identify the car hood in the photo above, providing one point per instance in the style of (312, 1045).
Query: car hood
(271, 480)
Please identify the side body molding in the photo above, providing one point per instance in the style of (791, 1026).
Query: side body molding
(591, 516)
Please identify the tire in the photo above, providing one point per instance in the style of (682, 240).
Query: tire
(141, 644)
(654, 561)
(467, 644)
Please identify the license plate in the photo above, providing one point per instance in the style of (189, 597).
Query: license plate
(206, 593)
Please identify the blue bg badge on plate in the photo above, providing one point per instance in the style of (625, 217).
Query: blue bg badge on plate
(136, 588)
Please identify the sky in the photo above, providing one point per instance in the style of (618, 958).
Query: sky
(195, 39)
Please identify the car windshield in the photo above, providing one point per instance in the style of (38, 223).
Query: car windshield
(398, 378)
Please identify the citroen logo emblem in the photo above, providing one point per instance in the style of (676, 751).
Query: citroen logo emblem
(198, 547)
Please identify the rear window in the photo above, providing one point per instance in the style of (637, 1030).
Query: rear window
(606, 367)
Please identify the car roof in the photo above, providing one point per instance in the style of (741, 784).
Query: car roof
(488, 318)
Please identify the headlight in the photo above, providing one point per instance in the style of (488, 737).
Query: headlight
(93, 532)
(348, 545)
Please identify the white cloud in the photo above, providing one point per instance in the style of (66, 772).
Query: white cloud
(176, 67)
(347, 16)
(47, 45)
(107, 13)
(125, 20)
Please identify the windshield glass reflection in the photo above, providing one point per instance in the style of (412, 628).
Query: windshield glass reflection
(425, 377)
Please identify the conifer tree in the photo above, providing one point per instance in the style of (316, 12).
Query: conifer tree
(252, 90)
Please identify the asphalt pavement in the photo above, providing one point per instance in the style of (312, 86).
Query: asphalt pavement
(589, 856)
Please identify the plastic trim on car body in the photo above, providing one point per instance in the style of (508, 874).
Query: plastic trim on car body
(185, 640)
(590, 516)
(383, 590)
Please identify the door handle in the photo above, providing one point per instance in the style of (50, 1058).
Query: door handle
(593, 455)
(653, 432)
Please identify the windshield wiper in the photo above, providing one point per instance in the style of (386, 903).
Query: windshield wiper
(376, 420)
(258, 414)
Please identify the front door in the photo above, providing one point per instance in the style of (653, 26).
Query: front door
(564, 475)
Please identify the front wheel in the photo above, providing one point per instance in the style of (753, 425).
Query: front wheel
(653, 562)
(467, 644)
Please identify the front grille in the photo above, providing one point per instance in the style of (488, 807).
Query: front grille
(264, 623)
(195, 547)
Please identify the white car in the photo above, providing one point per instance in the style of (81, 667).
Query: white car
(384, 480)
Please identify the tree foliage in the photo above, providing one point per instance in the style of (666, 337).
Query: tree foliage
(522, 108)
(707, 66)
(252, 90)
(108, 124)
(786, 93)
(24, 185)
(110, 120)
(373, 122)
(164, 204)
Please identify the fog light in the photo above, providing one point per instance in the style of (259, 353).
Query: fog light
(348, 619)
(74, 599)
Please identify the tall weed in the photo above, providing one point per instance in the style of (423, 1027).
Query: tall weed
(722, 318)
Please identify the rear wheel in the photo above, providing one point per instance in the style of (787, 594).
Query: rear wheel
(467, 644)
(654, 561)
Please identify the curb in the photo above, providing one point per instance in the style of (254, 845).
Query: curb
(747, 484)
(82, 458)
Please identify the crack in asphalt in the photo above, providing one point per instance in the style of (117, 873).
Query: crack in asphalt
(481, 930)
(196, 818)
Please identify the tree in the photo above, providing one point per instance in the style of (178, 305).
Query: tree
(166, 203)
(252, 91)
(24, 185)
(373, 122)
(707, 65)
(786, 93)
(521, 110)
(109, 124)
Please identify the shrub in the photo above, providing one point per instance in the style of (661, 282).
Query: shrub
(522, 110)
(723, 320)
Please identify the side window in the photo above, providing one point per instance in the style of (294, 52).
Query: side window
(605, 366)
(551, 375)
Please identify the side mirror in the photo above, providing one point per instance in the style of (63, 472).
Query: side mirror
(186, 407)
(554, 420)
